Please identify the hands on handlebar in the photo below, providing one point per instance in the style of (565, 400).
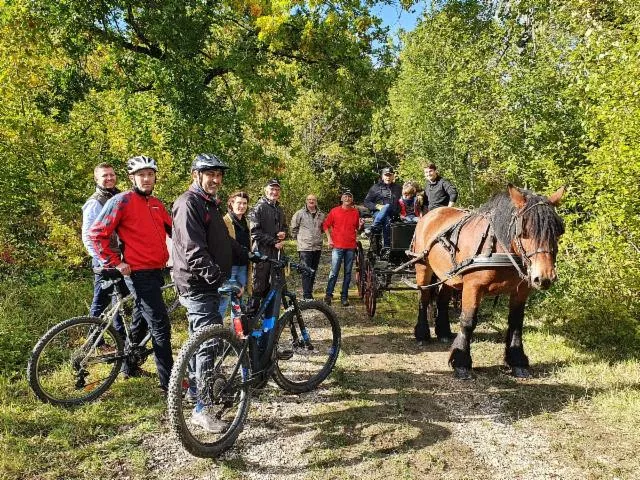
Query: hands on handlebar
(257, 257)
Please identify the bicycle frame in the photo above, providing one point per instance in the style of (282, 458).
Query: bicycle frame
(109, 315)
(259, 342)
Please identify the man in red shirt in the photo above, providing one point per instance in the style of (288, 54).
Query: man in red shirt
(142, 225)
(341, 226)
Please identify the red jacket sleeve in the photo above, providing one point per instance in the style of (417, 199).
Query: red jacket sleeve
(102, 228)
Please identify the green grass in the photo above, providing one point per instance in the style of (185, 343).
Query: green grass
(389, 412)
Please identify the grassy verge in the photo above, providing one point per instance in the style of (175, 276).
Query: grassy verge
(391, 409)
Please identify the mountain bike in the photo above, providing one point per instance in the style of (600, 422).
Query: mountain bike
(298, 350)
(78, 359)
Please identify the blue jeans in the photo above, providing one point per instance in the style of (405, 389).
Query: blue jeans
(101, 300)
(239, 275)
(202, 311)
(338, 256)
(149, 307)
(382, 220)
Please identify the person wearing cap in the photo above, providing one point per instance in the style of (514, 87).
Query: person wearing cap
(341, 226)
(142, 225)
(438, 192)
(268, 226)
(306, 228)
(382, 200)
(203, 254)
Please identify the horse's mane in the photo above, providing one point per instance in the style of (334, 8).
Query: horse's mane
(541, 223)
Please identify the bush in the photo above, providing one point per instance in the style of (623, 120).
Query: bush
(28, 310)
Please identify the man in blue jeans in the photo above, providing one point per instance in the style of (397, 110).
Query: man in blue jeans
(203, 253)
(382, 199)
(341, 227)
(105, 177)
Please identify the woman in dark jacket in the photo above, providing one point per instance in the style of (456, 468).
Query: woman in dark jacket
(236, 222)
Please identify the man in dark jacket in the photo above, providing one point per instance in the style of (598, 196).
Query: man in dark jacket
(203, 253)
(438, 192)
(268, 230)
(382, 200)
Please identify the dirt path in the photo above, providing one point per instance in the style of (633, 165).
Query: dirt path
(391, 410)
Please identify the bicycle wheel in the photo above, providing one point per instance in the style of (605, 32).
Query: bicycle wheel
(66, 368)
(221, 396)
(305, 357)
(360, 269)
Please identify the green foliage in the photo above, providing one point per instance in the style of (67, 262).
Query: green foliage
(539, 93)
(27, 311)
(84, 83)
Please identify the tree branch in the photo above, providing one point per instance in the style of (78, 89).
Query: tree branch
(152, 51)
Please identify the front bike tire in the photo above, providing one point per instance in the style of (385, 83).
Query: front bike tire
(66, 369)
(228, 406)
(305, 358)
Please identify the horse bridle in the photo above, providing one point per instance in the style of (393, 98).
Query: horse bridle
(517, 219)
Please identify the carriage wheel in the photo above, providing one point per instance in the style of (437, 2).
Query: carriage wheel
(371, 290)
(360, 270)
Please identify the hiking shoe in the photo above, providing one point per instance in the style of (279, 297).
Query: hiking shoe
(208, 421)
(345, 302)
(327, 299)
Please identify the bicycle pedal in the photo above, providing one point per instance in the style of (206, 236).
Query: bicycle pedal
(285, 354)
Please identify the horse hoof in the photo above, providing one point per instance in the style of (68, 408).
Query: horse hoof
(520, 372)
(462, 373)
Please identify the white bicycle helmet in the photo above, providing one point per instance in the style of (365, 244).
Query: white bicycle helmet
(140, 162)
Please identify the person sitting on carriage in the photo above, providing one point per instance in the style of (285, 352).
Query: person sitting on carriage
(410, 204)
(382, 201)
(438, 191)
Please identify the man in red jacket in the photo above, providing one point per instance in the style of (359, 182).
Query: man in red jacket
(142, 225)
(341, 226)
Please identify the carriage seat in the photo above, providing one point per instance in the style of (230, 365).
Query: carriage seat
(401, 235)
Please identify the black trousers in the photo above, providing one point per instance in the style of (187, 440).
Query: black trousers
(311, 259)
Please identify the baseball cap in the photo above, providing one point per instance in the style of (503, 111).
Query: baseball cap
(388, 170)
(273, 183)
(347, 192)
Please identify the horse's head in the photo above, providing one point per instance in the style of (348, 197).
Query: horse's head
(536, 231)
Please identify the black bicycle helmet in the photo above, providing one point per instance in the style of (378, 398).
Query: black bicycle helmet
(207, 161)
(141, 162)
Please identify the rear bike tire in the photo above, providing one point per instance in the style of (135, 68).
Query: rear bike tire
(227, 346)
(312, 361)
(360, 270)
(54, 372)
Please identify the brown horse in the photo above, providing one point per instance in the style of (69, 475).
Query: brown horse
(507, 246)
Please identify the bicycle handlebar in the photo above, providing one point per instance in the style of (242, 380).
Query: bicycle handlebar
(258, 257)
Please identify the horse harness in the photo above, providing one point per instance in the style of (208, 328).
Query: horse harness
(484, 255)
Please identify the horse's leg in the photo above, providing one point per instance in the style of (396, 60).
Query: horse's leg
(460, 355)
(421, 330)
(443, 329)
(514, 356)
